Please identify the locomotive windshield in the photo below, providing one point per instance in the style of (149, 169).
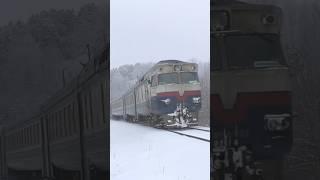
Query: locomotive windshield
(173, 78)
(168, 78)
(189, 77)
(250, 49)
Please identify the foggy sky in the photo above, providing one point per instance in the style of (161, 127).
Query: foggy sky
(153, 30)
(13, 10)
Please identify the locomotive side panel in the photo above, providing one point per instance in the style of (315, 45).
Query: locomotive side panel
(130, 105)
(142, 98)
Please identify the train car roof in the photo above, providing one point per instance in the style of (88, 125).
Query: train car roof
(162, 62)
(170, 61)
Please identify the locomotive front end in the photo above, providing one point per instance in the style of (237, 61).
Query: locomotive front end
(251, 92)
(176, 94)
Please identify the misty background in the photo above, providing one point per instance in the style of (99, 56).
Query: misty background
(36, 48)
(150, 31)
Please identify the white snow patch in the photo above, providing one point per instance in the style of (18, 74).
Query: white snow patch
(144, 153)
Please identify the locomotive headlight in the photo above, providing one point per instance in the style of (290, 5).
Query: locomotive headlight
(166, 101)
(277, 122)
(196, 100)
(177, 68)
(269, 19)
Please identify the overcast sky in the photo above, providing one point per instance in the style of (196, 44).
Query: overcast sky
(13, 10)
(153, 30)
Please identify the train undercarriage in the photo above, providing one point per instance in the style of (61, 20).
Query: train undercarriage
(180, 118)
(232, 160)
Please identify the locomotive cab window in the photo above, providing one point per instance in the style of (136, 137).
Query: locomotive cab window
(189, 77)
(168, 78)
(251, 49)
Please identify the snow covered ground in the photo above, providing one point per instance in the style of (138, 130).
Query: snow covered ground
(143, 153)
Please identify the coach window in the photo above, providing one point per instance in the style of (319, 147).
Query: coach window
(60, 132)
(65, 122)
(85, 111)
(33, 134)
(91, 109)
(23, 134)
(22, 137)
(37, 130)
(74, 118)
(51, 130)
(69, 120)
(59, 124)
(55, 122)
(28, 135)
(102, 103)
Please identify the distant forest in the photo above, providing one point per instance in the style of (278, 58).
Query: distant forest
(34, 53)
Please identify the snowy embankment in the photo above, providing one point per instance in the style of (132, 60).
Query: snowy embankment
(144, 153)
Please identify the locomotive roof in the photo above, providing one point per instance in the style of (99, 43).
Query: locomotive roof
(162, 62)
(170, 61)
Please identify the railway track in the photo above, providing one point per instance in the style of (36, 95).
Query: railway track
(205, 130)
(188, 135)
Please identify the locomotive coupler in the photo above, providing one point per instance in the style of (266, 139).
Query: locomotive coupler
(234, 161)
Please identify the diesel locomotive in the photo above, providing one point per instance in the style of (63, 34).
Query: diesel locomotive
(168, 95)
(250, 87)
